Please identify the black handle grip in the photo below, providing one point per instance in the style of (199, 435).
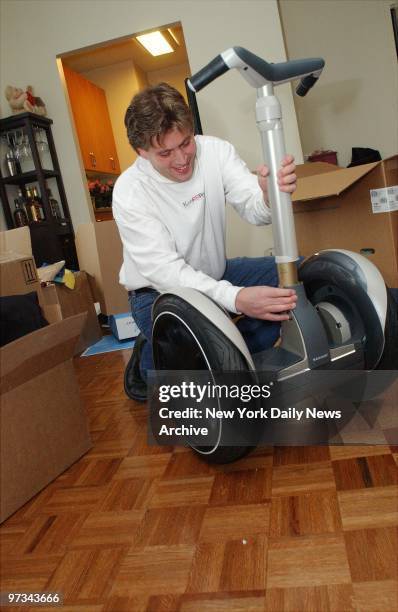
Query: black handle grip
(206, 75)
(305, 85)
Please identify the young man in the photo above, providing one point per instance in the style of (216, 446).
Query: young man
(170, 210)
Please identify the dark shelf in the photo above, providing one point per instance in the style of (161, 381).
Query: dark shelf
(14, 122)
(36, 224)
(27, 177)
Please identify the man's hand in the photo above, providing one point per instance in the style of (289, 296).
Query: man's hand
(269, 303)
(286, 176)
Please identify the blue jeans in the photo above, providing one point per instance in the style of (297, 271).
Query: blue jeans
(240, 271)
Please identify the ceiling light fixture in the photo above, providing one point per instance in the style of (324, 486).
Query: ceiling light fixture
(155, 43)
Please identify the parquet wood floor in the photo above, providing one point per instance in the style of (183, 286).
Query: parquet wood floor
(134, 528)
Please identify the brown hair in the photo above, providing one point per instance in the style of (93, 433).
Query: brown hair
(153, 112)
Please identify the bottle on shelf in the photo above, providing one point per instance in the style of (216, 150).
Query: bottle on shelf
(54, 206)
(39, 203)
(11, 162)
(23, 204)
(20, 216)
(13, 167)
(33, 206)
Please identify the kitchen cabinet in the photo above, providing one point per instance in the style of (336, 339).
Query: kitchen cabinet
(27, 139)
(93, 124)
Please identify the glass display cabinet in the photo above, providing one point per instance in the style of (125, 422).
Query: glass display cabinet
(32, 190)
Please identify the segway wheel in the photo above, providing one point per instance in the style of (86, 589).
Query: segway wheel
(389, 358)
(184, 339)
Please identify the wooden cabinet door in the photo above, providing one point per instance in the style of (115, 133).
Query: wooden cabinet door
(93, 124)
(80, 100)
(105, 148)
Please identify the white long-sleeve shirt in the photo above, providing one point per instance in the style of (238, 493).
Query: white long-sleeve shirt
(173, 233)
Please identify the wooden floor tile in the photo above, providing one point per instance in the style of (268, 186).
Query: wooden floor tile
(364, 508)
(49, 535)
(185, 465)
(156, 570)
(205, 573)
(126, 604)
(333, 598)
(127, 494)
(21, 574)
(146, 466)
(74, 499)
(221, 523)
(361, 472)
(85, 574)
(380, 561)
(181, 492)
(307, 561)
(218, 566)
(163, 603)
(261, 458)
(305, 514)
(305, 478)
(108, 529)
(250, 554)
(371, 596)
(245, 601)
(169, 526)
(10, 535)
(245, 487)
(349, 451)
(290, 455)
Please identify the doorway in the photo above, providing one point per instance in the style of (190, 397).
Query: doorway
(100, 83)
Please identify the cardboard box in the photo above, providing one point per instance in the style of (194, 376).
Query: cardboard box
(123, 326)
(100, 253)
(17, 240)
(61, 302)
(18, 275)
(333, 209)
(43, 424)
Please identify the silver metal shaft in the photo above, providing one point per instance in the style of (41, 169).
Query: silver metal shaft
(269, 122)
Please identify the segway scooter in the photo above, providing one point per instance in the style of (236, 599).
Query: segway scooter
(345, 317)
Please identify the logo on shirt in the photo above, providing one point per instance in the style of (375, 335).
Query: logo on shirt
(198, 196)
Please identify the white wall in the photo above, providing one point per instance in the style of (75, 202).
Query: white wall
(355, 101)
(227, 107)
(174, 76)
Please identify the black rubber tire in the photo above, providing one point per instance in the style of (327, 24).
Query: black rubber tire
(389, 358)
(380, 345)
(221, 354)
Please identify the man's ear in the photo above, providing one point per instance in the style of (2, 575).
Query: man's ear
(142, 153)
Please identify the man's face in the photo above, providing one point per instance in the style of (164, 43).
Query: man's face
(174, 156)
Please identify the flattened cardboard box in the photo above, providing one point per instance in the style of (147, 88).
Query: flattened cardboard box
(333, 209)
(61, 302)
(43, 423)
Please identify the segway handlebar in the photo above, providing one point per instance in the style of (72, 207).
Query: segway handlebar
(257, 72)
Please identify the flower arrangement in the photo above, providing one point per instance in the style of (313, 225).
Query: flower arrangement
(101, 192)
